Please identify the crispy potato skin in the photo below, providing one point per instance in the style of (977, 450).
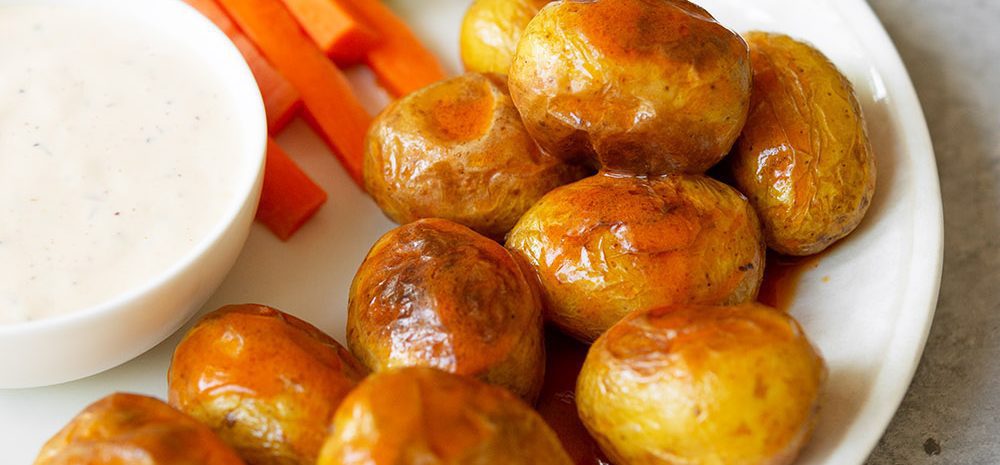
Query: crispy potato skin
(435, 293)
(422, 415)
(702, 386)
(491, 30)
(643, 87)
(457, 150)
(607, 245)
(128, 429)
(804, 159)
(265, 381)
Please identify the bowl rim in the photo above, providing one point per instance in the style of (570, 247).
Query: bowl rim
(236, 77)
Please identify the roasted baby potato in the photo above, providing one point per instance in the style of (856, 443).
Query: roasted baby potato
(266, 382)
(421, 415)
(458, 150)
(643, 87)
(702, 386)
(491, 30)
(804, 159)
(435, 293)
(131, 429)
(607, 245)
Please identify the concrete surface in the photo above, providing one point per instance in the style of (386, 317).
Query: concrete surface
(951, 415)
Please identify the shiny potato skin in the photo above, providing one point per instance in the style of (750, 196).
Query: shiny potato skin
(642, 87)
(132, 429)
(609, 244)
(435, 293)
(268, 383)
(490, 32)
(804, 158)
(457, 150)
(422, 415)
(698, 385)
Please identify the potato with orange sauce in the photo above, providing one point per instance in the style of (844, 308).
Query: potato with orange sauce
(457, 150)
(804, 158)
(422, 415)
(608, 245)
(435, 293)
(641, 87)
(702, 386)
(268, 383)
(490, 32)
(127, 429)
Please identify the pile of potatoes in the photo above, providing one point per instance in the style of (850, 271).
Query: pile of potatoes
(561, 180)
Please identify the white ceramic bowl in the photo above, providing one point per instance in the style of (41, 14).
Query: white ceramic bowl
(92, 340)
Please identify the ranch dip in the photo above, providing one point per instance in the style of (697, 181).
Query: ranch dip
(117, 156)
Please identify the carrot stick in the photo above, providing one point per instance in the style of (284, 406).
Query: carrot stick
(329, 101)
(401, 63)
(211, 10)
(336, 30)
(288, 197)
(281, 100)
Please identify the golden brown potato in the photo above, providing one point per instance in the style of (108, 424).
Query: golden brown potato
(267, 382)
(435, 293)
(804, 159)
(421, 415)
(131, 429)
(644, 87)
(702, 386)
(458, 150)
(491, 30)
(607, 245)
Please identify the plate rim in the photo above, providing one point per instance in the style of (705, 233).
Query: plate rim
(907, 341)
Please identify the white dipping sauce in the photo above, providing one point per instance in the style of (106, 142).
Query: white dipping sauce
(118, 155)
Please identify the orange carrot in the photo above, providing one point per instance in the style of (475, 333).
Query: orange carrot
(401, 63)
(211, 10)
(281, 100)
(336, 30)
(329, 101)
(288, 197)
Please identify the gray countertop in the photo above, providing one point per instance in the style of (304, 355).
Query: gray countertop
(951, 414)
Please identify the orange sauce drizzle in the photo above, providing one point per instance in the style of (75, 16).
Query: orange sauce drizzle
(781, 278)
(557, 404)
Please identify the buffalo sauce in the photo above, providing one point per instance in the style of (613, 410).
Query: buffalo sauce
(557, 403)
(781, 278)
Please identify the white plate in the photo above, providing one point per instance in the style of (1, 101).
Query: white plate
(868, 306)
